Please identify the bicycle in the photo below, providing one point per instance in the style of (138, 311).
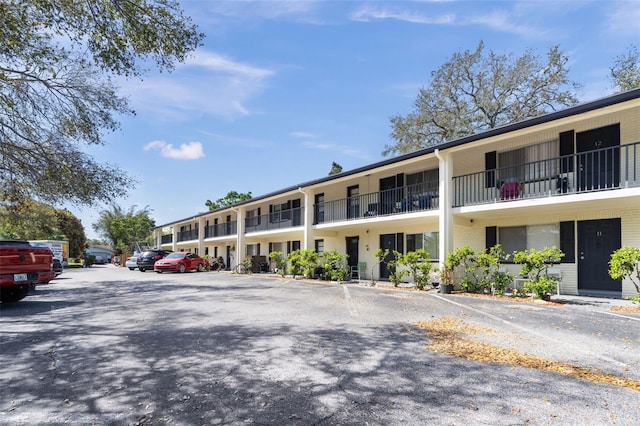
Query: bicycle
(244, 267)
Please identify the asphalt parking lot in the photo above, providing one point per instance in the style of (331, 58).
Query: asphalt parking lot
(106, 345)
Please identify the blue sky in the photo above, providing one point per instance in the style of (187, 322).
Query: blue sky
(281, 89)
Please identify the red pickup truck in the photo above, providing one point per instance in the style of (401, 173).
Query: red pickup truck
(22, 266)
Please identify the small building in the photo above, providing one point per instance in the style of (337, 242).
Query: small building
(102, 254)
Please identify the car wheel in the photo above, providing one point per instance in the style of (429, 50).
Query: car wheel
(158, 272)
(142, 269)
(12, 294)
(131, 269)
(200, 267)
(182, 268)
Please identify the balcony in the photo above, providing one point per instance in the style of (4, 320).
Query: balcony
(603, 169)
(190, 235)
(281, 219)
(410, 198)
(221, 229)
(166, 239)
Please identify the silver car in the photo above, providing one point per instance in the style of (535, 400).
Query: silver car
(131, 263)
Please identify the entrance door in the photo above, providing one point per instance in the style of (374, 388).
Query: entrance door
(597, 239)
(387, 241)
(352, 251)
(598, 169)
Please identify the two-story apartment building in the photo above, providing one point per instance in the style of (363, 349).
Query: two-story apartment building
(570, 178)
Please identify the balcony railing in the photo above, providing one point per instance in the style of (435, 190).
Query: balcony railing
(166, 239)
(597, 170)
(191, 234)
(277, 220)
(221, 229)
(410, 198)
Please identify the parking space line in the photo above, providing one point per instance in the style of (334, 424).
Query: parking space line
(352, 309)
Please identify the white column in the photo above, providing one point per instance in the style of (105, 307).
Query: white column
(201, 223)
(174, 238)
(446, 195)
(307, 217)
(241, 248)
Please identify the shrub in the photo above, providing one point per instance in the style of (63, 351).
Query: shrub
(535, 265)
(396, 274)
(625, 263)
(280, 261)
(303, 262)
(419, 264)
(334, 265)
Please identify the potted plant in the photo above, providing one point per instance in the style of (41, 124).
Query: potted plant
(434, 277)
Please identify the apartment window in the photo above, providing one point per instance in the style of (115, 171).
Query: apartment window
(427, 179)
(253, 217)
(428, 241)
(319, 247)
(281, 247)
(518, 238)
(252, 250)
(530, 163)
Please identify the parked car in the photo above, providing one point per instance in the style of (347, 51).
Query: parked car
(179, 262)
(131, 263)
(149, 257)
(57, 266)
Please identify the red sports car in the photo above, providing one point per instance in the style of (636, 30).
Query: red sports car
(179, 262)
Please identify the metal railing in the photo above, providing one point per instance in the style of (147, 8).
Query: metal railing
(221, 229)
(166, 239)
(191, 234)
(410, 198)
(597, 170)
(277, 220)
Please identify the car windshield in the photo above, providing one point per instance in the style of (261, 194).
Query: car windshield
(175, 256)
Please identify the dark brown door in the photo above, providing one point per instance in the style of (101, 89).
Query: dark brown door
(597, 239)
(598, 158)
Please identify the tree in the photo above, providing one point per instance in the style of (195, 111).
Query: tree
(73, 232)
(103, 225)
(335, 169)
(473, 92)
(31, 220)
(625, 73)
(230, 199)
(625, 263)
(122, 228)
(57, 60)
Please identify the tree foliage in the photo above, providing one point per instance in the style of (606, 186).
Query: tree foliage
(32, 220)
(625, 263)
(473, 92)
(625, 72)
(335, 169)
(121, 228)
(230, 199)
(57, 61)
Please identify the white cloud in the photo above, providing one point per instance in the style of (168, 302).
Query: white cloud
(303, 135)
(206, 84)
(367, 13)
(504, 21)
(624, 18)
(186, 151)
(218, 63)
